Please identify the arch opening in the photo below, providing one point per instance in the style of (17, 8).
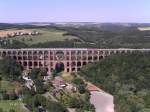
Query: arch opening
(59, 67)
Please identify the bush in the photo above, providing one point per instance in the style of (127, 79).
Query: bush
(12, 110)
(1, 110)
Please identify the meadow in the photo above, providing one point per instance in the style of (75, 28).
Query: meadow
(46, 35)
(16, 105)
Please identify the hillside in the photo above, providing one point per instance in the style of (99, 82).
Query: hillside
(45, 35)
(90, 35)
(126, 77)
(111, 36)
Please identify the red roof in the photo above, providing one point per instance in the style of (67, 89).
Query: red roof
(58, 81)
(92, 88)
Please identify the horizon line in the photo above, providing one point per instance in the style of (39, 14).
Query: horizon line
(75, 22)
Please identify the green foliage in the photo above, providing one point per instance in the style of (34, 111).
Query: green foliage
(1, 110)
(54, 73)
(12, 44)
(125, 76)
(82, 89)
(105, 36)
(78, 81)
(37, 75)
(81, 103)
(10, 69)
(12, 106)
(12, 110)
(80, 84)
(109, 36)
(39, 100)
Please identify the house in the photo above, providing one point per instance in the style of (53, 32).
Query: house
(92, 88)
(58, 82)
(71, 88)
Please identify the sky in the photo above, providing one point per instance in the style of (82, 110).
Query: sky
(16, 11)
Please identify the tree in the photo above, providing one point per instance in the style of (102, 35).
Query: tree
(80, 85)
(126, 76)
(73, 103)
(54, 73)
(1, 110)
(82, 89)
(78, 81)
(37, 75)
(12, 110)
(12, 95)
(10, 69)
(39, 100)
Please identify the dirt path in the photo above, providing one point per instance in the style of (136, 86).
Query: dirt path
(103, 102)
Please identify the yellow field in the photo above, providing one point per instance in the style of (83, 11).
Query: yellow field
(4, 33)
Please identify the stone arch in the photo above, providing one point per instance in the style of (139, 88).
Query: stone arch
(84, 57)
(24, 52)
(89, 57)
(95, 52)
(19, 57)
(25, 63)
(14, 57)
(9, 52)
(35, 53)
(73, 63)
(79, 58)
(84, 53)
(14, 52)
(73, 69)
(90, 52)
(20, 62)
(84, 63)
(46, 52)
(24, 57)
(35, 63)
(112, 52)
(78, 69)
(101, 52)
(78, 63)
(95, 57)
(19, 53)
(4, 53)
(59, 67)
(106, 52)
(30, 63)
(101, 57)
(29, 52)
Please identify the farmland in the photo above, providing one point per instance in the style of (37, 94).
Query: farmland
(46, 35)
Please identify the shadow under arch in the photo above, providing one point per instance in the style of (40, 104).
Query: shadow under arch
(59, 67)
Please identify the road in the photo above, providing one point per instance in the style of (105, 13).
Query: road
(102, 101)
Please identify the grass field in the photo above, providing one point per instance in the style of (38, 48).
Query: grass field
(67, 77)
(15, 105)
(10, 86)
(45, 36)
(6, 85)
(6, 105)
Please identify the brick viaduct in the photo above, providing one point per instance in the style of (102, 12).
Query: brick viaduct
(71, 58)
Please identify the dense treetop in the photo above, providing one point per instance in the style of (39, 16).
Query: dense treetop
(126, 77)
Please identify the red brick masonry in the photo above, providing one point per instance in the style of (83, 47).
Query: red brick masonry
(72, 58)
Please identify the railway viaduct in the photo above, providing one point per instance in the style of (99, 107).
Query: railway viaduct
(70, 59)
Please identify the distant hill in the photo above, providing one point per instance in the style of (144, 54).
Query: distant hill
(19, 26)
(95, 35)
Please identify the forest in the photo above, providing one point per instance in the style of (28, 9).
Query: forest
(126, 77)
(90, 36)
